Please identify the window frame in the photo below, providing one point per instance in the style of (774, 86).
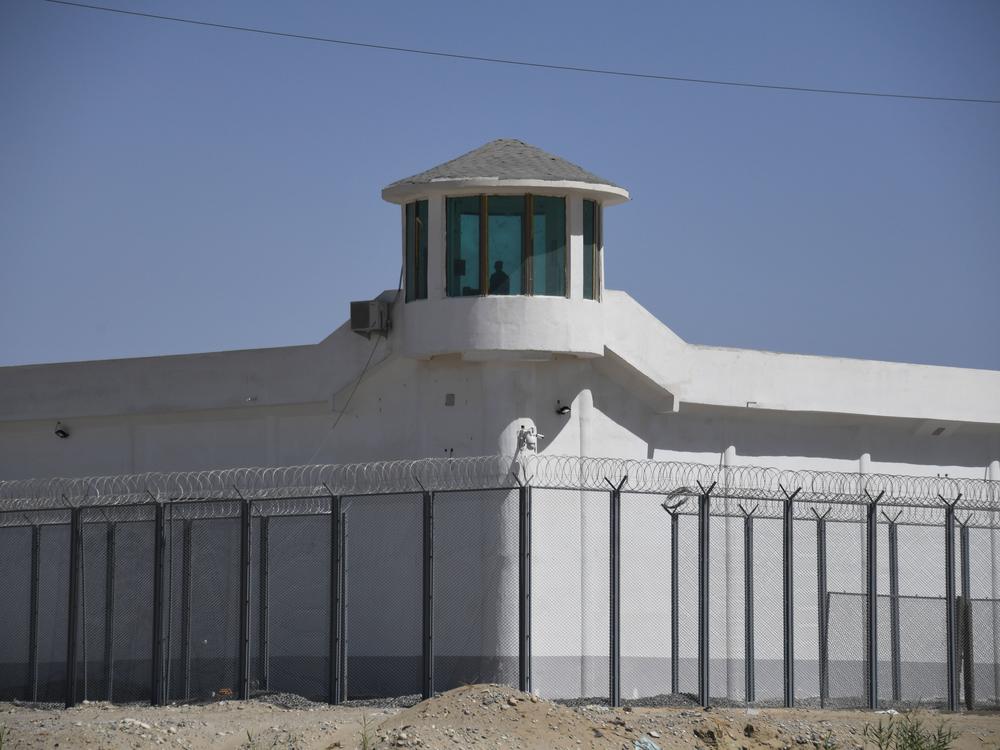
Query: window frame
(598, 234)
(418, 280)
(527, 244)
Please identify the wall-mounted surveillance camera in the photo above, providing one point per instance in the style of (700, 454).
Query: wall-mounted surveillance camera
(562, 409)
(61, 431)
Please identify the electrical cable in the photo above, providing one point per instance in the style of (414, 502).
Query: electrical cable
(528, 63)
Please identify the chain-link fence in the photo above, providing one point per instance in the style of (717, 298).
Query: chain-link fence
(675, 585)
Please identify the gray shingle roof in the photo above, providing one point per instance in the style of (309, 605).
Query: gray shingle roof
(505, 159)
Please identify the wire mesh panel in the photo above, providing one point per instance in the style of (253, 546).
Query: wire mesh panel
(805, 611)
(767, 611)
(475, 588)
(383, 596)
(15, 608)
(726, 600)
(846, 612)
(298, 622)
(93, 597)
(213, 600)
(53, 599)
(570, 589)
(645, 597)
(983, 618)
(687, 565)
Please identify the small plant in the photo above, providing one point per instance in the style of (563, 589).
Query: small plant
(367, 733)
(909, 733)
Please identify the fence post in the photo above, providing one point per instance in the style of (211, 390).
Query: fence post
(871, 570)
(158, 697)
(749, 659)
(704, 515)
(187, 573)
(822, 608)
(109, 611)
(894, 642)
(965, 619)
(334, 685)
(524, 587)
(614, 588)
(36, 540)
(949, 595)
(428, 596)
(788, 594)
(675, 596)
(343, 605)
(245, 545)
(73, 619)
(263, 617)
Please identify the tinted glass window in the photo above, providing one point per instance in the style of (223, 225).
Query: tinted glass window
(548, 267)
(416, 250)
(463, 246)
(505, 239)
(589, 248)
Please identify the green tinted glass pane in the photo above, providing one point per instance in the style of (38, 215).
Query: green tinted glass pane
(589, 248)
(420, 287)
(408, 251)
(549, 246)
(505, 239)
(463, 246)
(415, 247)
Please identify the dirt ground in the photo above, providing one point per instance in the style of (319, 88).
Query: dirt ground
(475, 716)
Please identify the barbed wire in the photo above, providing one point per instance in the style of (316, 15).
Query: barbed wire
(679, 479)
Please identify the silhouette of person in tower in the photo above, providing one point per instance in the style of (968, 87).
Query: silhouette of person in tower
(499, 280)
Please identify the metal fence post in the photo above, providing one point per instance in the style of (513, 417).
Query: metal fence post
(894, 642)
(788, 594)
(109, 611)
(428, 596)
(73, 619)
(245, 546)
(524, 588)
(704, 515)
(334, 686)
(187, 573)
(965, 619)
(949, 595)
(871, 569)
(263, 618)
(822, 608)
(158, 696)
(749, 659)
(614, 588)
(36, 540)
(675, 599)
(343, 605)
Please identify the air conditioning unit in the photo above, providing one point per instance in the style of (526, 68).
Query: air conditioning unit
(370, 316)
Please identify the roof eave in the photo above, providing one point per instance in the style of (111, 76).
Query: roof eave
(608, 195)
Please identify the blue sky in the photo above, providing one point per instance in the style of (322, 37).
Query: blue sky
(167, 188)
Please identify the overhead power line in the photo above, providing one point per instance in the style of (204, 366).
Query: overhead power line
(527, 63)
